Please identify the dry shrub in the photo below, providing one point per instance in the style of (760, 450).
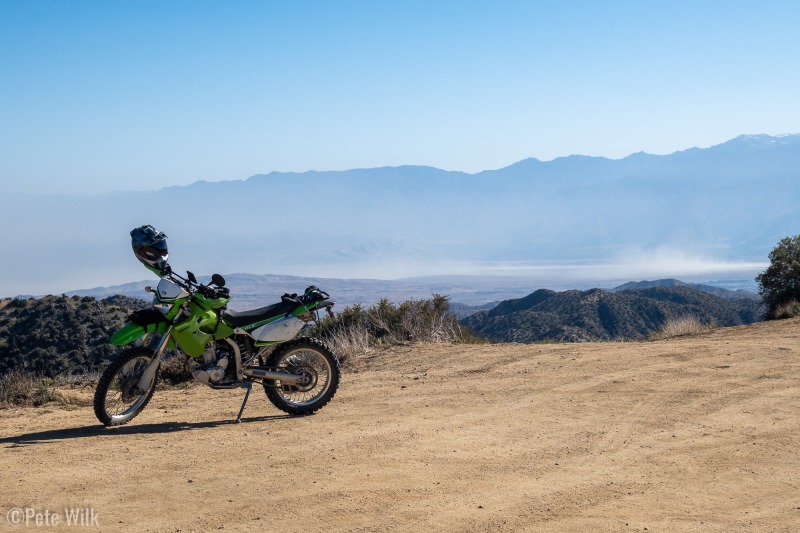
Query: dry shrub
(175, 370)
(680, 327)
(357, 330)
(78, 381)
(348, 341)
(20, 387)
(790, 309)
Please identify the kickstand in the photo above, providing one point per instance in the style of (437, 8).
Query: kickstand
(248, 386)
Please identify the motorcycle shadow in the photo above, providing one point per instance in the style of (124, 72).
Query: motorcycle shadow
(53, 435)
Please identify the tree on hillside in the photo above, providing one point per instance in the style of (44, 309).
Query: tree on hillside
(779, 284)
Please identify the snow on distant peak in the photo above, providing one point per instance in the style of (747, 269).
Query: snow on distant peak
(766, 140)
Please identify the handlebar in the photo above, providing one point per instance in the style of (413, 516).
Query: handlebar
(193, 286)
(190, 283)
(214, 292)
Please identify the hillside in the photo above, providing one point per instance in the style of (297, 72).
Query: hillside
(69, 334)
(578, 316)
(690, 434)
(60, 334)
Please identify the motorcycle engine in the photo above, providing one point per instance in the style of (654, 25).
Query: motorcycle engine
(215, 361)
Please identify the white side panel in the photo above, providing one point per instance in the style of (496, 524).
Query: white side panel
(281, 330)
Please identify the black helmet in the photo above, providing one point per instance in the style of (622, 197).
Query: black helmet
(150, 247)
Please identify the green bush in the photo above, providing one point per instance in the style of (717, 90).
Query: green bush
(779, 284)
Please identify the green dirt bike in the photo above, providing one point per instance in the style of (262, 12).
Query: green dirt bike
(225, 349)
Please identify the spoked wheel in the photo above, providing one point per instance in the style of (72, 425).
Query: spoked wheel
(314, 361)
(118, 398)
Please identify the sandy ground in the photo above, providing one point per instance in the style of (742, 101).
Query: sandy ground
(693, 434)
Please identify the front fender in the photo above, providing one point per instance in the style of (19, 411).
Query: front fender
(132, 331)
(127, 334)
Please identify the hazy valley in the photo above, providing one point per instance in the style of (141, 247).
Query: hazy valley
(641, 217)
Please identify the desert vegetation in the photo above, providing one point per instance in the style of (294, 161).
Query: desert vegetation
(790, 309)
(357, 330)
(51, 343)
(20, 387)
(680, 327)
(54, 341)
(59, 335)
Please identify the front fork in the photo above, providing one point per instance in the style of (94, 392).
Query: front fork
(149, 374)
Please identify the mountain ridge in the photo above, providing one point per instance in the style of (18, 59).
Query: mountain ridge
(756, 141)
(728, 203)
(601, 315)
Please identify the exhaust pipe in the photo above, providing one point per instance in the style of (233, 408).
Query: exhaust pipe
(283, 377)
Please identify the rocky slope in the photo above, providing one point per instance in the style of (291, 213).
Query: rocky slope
(598, 314)
(60, 334)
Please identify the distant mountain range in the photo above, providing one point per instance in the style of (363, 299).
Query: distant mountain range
(730, 202)
(577, 316)
(466, 293)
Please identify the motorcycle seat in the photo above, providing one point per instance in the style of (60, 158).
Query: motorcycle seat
(240, 319)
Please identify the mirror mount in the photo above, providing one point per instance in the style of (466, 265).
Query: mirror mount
(164, 268)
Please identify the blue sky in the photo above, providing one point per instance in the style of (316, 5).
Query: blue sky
(102, 96)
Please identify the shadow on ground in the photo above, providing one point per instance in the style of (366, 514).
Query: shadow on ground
(39, 437)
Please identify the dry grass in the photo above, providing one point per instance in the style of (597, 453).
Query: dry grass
(350, 341)
(24, 388)
(680, 327)
(20, 387)
(357, 331)
(790, 309)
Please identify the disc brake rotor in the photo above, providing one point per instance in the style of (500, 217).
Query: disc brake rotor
(309, 379)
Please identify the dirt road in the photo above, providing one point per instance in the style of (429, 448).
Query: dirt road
(696, 434)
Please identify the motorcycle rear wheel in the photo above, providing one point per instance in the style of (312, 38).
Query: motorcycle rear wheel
(117, 399)
(312, 359)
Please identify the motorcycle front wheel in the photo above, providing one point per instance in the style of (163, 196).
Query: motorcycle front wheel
(316, 363)
(118, 399)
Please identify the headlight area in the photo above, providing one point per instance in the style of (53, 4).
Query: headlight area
(163, 308)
